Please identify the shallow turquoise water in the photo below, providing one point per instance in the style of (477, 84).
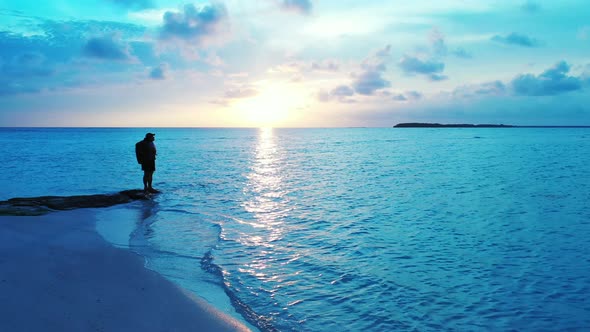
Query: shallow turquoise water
(348, 229)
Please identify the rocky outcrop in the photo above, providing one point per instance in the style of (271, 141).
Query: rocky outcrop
(34, 206)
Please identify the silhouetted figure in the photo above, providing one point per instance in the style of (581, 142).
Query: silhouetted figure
(145, 151)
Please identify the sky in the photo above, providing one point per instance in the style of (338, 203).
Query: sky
(293, 63)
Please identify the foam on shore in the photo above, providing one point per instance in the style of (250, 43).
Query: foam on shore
(57, 273)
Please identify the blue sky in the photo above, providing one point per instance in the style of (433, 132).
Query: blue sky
(293, 63)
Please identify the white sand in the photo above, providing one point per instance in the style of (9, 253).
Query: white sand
(58, 274)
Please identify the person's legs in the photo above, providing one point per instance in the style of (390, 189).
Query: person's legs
(148, 171)
(149, 176)
(147, 181)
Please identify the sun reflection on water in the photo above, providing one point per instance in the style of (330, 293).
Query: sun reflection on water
(266, 203)
(265, 190)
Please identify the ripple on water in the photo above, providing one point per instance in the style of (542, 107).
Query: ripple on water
(353, 229)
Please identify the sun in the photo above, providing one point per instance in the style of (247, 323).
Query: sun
(273, 106)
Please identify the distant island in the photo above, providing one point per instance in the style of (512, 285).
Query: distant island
(467, 125)
(438, 125)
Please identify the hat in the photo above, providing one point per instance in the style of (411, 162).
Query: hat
(149, 135)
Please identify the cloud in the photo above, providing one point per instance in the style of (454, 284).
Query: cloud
(584, 33)
(378, 59)
(107, 48)
(462, 53)
(516, 39)
(367, 82)
(24, 73)
(293, 67)
(552, 81)
(240, 92)
(236, 92)
(27, 65)
(371, 79)
(428, 63)
(7, 89)
(298, 6)
(326, 65)
(430, 68)
(437, 41)
(74, 31)
(214, 60)
(134, 4)
(495, 88)
(339, 93)
(586, 74)
(439, 47)
(50, 59)
(530, 7)
(159, 72)
(407, 96)
(194, 24)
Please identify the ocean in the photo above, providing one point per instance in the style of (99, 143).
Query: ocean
(356, 229)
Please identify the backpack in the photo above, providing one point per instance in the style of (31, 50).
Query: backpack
(140, 152)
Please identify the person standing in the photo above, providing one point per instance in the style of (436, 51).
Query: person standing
(145, 151)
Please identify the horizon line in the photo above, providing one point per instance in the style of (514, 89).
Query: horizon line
(272, 127)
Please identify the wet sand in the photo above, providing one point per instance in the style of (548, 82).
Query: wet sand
(58, 274)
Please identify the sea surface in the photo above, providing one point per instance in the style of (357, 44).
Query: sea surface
(344, 229)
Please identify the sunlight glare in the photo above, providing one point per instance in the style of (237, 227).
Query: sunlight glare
(271, 107)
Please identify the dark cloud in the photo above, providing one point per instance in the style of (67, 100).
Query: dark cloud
(134, 4)
(160, 72)
(298, 6)
(194, 24)
(106, 48)
(407, 96)
(552, 81)
(530, 7)
(517, 39)
(340, 93)
(430, 68)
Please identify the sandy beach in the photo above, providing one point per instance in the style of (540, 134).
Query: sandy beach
(58, 274)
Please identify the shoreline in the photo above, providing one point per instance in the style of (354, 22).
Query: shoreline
(58, 273)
